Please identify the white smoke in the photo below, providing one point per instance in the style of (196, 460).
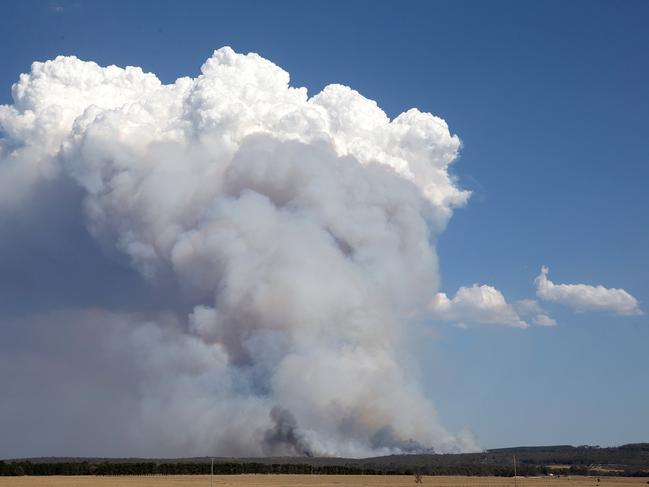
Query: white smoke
(298, 231)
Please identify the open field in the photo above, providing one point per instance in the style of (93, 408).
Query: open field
(316, 480)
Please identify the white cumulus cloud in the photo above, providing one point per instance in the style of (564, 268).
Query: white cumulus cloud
(584, 297)
(476, 305)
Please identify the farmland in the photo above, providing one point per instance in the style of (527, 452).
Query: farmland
(316, 480)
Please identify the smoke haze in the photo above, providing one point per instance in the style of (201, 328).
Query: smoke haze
(222, 265)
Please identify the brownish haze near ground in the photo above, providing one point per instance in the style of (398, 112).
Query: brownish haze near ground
(317, 480)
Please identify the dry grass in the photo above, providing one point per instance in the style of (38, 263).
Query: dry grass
(316, 480)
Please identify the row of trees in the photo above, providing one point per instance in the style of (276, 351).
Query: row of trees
(233, 468)
(227, 468)
(193, 468)
(634, 456)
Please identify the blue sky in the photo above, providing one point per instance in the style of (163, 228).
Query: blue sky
(550, 102)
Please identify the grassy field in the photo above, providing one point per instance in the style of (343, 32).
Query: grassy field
(317, 480)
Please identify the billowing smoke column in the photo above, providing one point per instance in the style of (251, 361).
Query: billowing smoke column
(298, 233)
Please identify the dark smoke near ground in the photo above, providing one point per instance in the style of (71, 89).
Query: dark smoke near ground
(285, 436)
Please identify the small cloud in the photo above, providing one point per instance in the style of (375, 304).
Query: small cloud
(532, 308)
(544, 320)
(584, 297)
(528, 306)
(473, 305)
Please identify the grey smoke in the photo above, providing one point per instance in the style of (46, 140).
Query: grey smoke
(386, 437)
(285, 437)
(238, 262)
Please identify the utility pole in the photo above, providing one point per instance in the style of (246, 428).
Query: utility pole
(515, 481)
(212, 473)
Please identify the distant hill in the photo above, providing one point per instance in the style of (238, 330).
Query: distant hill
(629, 460)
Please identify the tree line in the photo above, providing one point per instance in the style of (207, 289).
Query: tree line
(25, 467)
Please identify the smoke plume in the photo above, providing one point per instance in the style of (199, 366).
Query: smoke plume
(285, 243)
